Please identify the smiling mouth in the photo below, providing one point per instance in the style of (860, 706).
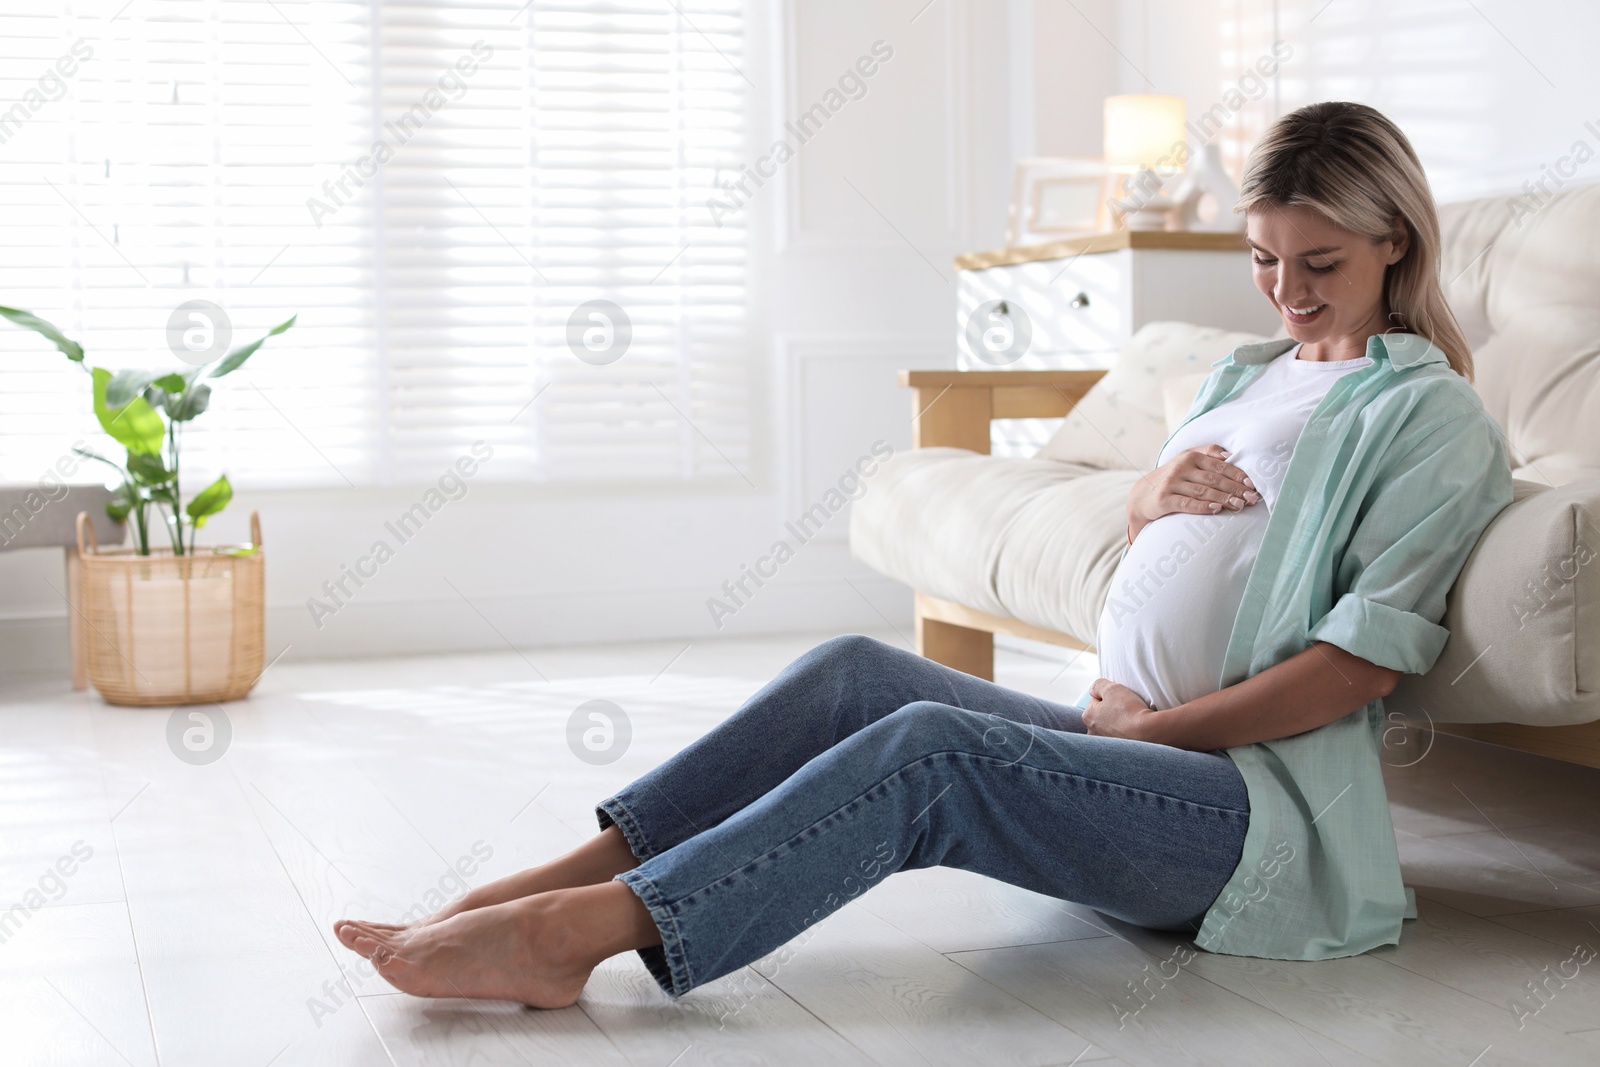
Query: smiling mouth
(1303, 315)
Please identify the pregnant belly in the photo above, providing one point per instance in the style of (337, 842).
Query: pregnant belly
(1167, 619)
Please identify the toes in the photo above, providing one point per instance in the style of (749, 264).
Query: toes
(346, 931)
(373, 949)
(366, 929)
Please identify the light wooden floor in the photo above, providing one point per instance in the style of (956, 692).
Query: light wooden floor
(196, 931)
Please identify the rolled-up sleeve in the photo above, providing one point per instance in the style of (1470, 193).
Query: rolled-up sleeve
(1415, 529)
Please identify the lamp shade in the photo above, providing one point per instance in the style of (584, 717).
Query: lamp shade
(1142, 129)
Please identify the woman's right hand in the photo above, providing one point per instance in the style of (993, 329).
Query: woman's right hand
(1199, 481)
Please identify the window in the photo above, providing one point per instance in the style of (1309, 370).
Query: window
(437, 190)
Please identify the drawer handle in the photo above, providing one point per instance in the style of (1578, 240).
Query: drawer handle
(1081, 300)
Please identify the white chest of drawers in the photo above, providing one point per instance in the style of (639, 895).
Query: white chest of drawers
(1073, 304)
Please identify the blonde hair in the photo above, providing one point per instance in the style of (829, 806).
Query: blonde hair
(1353, 166)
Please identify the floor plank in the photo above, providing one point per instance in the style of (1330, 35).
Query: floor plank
(230, 957)
(58, 795)
(1462, 786)
(1148, 1008)
(1564, 927)
(739, 1018)
(1477, 882)
(1380, 1010)
(1494, 963)
(452, 1033)
(70, 989)
(899, 1001)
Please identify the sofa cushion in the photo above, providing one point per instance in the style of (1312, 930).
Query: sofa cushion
(939, 519)
(1120, 424)
(1524, 619)
(1057, 559)
(1522, 279)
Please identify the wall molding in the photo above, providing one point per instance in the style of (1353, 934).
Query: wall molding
(794, 353)
(35, 644)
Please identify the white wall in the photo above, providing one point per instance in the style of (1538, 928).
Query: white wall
(850, 285)
(1490, 93)
(1074, 68)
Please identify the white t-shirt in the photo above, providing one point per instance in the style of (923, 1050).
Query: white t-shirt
(1167, 620)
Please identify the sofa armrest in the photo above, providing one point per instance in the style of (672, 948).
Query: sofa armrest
(953, 408)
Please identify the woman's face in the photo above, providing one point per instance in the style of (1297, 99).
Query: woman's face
(1306, 264)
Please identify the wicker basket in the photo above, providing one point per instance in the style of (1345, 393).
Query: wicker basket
(165, 629)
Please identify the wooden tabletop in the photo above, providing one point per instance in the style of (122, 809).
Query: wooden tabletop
(928, 379)
(1111, 241)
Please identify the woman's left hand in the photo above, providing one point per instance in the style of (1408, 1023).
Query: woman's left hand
(1116, 711)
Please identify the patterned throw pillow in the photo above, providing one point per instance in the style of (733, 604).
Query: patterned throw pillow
(1177, 395)
(1121, 423)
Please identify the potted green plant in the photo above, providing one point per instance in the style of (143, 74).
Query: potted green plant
(169, 622)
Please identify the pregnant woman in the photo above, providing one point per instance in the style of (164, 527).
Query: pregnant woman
(1287, 562)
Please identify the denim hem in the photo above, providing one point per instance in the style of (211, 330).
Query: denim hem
(666, 962)
(612, 812)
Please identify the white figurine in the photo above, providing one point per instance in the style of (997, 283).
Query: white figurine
(1207, 183)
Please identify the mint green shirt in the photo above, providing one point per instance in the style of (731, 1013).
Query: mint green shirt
(1396, 475)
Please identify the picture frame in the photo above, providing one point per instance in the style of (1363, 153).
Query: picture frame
(1057, 197)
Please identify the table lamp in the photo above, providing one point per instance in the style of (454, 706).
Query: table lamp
(1144, 131)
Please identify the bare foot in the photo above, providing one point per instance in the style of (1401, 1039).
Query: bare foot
(594, 862)
(521, 951)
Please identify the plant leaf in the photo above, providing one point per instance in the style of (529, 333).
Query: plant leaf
(235, 359)
(127, 384)
(185, 405)
(89, 453)
(28, 320)
(172, 383)
(210, 500)
(121, 503)
(147, 470)
(134, 425)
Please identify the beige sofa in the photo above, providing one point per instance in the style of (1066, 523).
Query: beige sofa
(1027, 546)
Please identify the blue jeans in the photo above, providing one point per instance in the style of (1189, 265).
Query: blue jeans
(861, 759)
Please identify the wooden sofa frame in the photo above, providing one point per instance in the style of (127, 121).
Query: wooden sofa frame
(954, 408)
